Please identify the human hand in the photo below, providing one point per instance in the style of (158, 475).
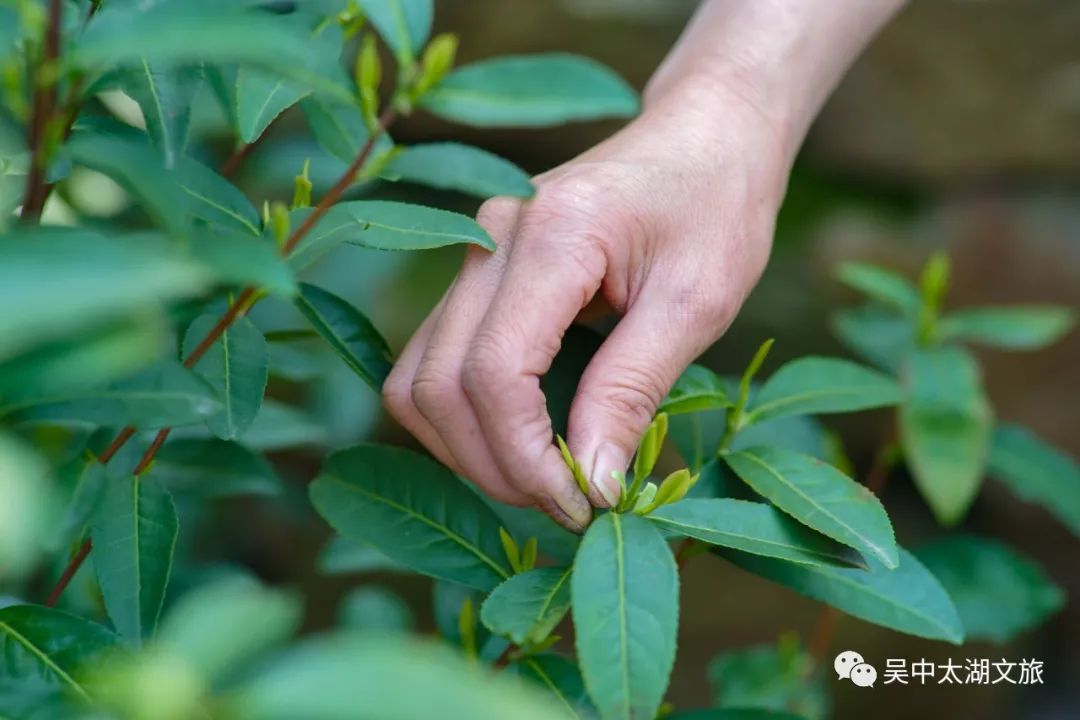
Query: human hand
(670, 222)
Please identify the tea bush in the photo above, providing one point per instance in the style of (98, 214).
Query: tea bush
(133, 383)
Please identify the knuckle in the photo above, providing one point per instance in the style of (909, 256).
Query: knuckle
(434, 393)
(497, 214)
(571, 209)
(397, 394)
(584, 254)
(486, 361)
(631, 395)
(573, 195)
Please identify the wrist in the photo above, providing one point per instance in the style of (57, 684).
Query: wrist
(717, 100)
(779, 57)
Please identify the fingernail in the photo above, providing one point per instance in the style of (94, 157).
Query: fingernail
(552, 508)
(609, 458)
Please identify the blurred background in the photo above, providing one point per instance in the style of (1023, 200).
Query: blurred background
(959, 130)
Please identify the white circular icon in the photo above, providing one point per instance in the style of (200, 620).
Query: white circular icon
(864, 675)
(845, 661)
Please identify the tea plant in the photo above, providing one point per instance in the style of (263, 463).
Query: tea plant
(944, 433)
(133, 383)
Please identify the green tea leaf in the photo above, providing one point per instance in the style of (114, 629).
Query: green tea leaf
(14, 164)
(343, 556)
(438, 59)
(998, 592)
(348, 332)
(237, 258)
(1020, 327)
(945, 426)
(908, 599)
(882, 285)
(214, 200)
(178, 33)
(165, 95)
(367, 74)
(697, 435)
(818, 385)
(214, 468)
(751, 527)
(413, 510)
(531, 91)
(451, 603)
(875, 334)
(403, 24)
(83, 478)
(340, 129)
(99, 356)
(134, 535)
(762, 682)
(398, 678)
(42, 649)
(1037, 472)
(697, 389)
(453, 166)
(388, 225)
(136, 167)
(625, 590)
(220, 627)
(528, 606)
(561, 678)
(260, 97)
(279, 426)
(163, 396)
(819, 496)
(555, 541)
(236, 367)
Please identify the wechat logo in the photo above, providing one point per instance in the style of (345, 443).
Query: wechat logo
(850, 665)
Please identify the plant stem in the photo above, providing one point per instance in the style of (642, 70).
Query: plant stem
(334, 194)
(69, 572)
(244, 302)
(69, 110)
(822, 635)
(117, 443)
(229, 168)
(504, 658)
(43, 108)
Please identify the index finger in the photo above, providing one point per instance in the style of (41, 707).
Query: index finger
(549, 279)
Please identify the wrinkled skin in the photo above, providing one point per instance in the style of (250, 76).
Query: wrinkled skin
(669, 221)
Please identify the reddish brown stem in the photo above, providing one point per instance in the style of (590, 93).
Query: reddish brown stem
(117, 443)
(504, 658)
(822, 635)
(244, 302)
(41, 115)
(236, 159)
(69, 572)
(238, 308)
(339, 188)
(148, 456)
(682, 552)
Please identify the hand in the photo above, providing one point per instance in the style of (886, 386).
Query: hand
(670, 221)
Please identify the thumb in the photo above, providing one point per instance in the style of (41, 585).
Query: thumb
(625, 383)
